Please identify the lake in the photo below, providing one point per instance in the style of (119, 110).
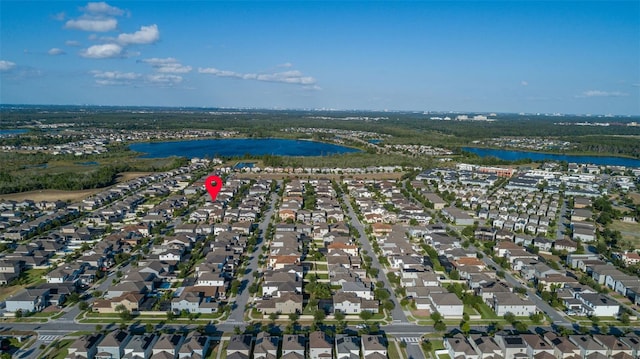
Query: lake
(238, 147)
(509, 155)
(6, 133)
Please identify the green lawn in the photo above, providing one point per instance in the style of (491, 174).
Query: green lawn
(392, 351)
(486, 312)
(59, 349)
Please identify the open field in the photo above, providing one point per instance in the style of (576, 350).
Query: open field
(635, 197)
(73, 196)
(630, 232)
(126, 176)
(50, 195)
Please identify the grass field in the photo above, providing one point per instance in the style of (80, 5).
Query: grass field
(73, 196)
(630, 232)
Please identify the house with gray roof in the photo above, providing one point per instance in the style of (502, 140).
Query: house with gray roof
(240, 346)
(347, 347)
(139, 347)
(113, 344)
(84, 347)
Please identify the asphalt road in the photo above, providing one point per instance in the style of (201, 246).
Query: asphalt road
(237, 313)
(556, 317)
(397, 313)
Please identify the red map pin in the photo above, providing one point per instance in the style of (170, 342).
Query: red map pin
(213, 185)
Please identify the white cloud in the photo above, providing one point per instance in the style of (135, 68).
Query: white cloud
(168, 65)
(102, 51)
(524, 83)
(146, 35)
(92, 24)
(598, 93)
(289, 77)
(115, 75)
(164, 79)
(114, 78)
(6, 65)
(55, 51)
(102, 8)
(72, 43)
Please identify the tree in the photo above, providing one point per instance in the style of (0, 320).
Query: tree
(125, 314)
(273, 317)
(340, 316)
(624, 318)
(293, 317)
(440, 326)
(170, 315)
(520, 327)
(319, 315)
(436, 316)
(465, 327)
(366, 315)
(83, 305)
(510, 317)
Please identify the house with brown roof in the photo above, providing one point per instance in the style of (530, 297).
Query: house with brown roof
(293, 346)
(287, 303)
(614, 346)
(373, 346)
(320, 345)
(458, 346)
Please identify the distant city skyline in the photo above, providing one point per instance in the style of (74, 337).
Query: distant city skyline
(504, 56)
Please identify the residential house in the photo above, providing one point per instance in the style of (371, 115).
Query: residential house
(588, 346)
(195, 346)
(266, 346)
(504, 303)
(373, 346)
(347, 347)
(85, 347)
(320, 345)
(139, 347)
(513, 346)
(240, 346)
(113, 344)
(167, 343)
(458, 346)
(447, 304)
(614, 346)
(596, 304)
(293, 346)
(28, 301)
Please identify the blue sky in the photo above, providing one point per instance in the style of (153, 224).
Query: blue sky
(505, 56)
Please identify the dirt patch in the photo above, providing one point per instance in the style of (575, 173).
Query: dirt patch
(635, 197)
(126, 176)
(421, 313)
(51, 195)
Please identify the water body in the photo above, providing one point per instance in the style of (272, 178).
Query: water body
(238, 147)
(509, 155)
(241, 165)
(6, 133)
(90, 163)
